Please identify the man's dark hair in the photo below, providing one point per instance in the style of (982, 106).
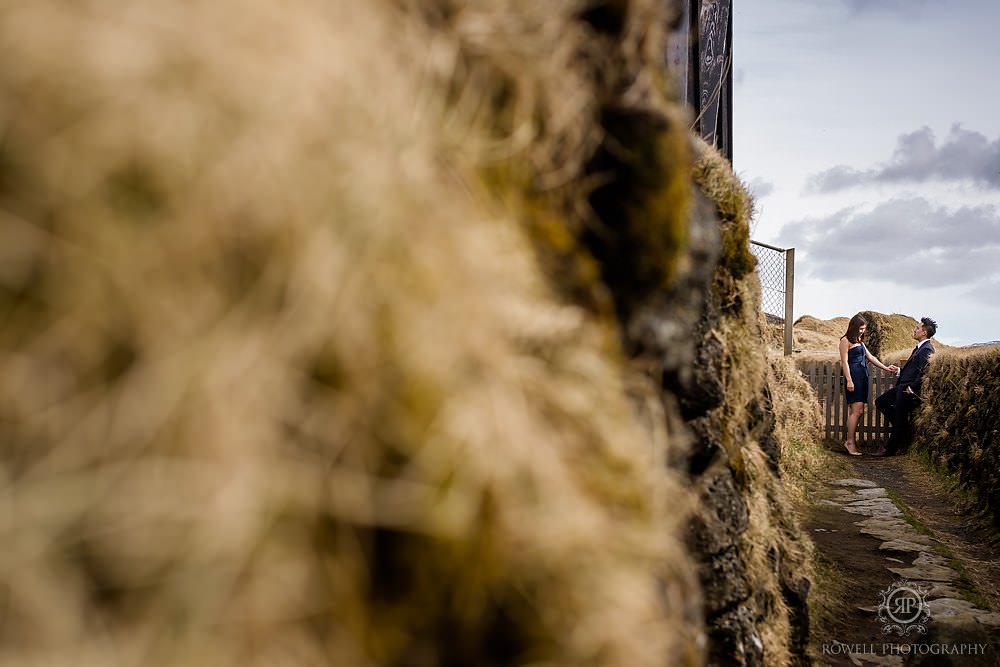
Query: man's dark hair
(929, 325)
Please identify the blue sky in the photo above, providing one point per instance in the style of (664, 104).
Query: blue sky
(869, 131)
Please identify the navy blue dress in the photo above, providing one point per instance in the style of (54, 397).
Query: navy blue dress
(857, 362)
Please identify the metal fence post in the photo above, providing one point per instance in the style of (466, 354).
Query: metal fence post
(789, 290)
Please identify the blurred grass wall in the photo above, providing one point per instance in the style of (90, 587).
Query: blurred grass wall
(375, 334)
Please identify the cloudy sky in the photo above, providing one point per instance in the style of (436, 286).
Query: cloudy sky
(869, 131)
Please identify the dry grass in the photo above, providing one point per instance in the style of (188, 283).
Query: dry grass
(834, 328)
(806, 465)
(889, 337)
(811, 338)
(957, 422)
(717, 181)
(773, 549)
(798, 426)
(281, 380)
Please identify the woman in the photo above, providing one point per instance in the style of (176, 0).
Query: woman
(854, 358)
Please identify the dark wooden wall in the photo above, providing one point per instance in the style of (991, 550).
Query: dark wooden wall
(701, 52)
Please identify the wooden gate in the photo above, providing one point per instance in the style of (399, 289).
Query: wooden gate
(827, 380)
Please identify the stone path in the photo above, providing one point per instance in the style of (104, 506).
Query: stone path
(923, 615)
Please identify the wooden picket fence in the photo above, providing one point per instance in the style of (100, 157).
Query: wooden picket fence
(826, 378)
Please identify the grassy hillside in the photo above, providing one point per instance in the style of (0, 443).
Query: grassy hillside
(889, 336)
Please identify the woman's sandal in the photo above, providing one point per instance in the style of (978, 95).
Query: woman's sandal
(858, 453)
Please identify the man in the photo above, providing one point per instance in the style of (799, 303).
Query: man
(898, 403)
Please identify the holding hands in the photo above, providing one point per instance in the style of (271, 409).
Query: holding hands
(893, 368)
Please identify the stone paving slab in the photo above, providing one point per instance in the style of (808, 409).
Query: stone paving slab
(938, 589)
(932, 559)
(947, 607)
(842, 496)
(866, 508)
(902, 545)
(926, 573)
(876, 492)
(859, 483)
(892, 528)
(991, 619)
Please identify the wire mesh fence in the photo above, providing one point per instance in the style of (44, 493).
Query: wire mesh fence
(776, 269)
(771, 269)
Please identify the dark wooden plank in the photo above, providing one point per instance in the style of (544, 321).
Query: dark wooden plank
(888, 382)
(867, 432)
(679, 52)
(880, 386)
(714, 65)
(825, 379)
(876, 417)
(834, 386)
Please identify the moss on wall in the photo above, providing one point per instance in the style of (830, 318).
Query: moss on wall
(642, 205)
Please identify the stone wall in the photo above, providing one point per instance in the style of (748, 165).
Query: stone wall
(751, 552)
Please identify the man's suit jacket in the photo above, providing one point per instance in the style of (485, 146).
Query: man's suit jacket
(912, 373)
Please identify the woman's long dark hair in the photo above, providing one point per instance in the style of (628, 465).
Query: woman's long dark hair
(854, 334)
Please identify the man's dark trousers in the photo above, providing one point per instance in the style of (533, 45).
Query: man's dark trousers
(897, 406)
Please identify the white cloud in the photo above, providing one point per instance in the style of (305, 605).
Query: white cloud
(760, 188)
(907, 242)
(963, 155)
(906, 8)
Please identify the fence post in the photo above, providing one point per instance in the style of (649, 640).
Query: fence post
(789, 289)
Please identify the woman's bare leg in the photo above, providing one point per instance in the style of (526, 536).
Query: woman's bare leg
(854, 411)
